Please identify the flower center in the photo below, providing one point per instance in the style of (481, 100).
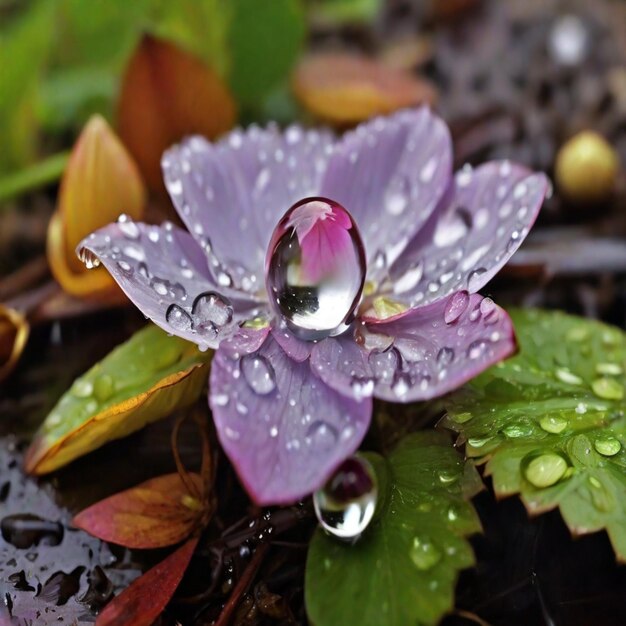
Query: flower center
(315, 268)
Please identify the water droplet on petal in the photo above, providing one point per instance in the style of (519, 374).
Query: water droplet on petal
(445, 356)
(410, 279)
(397, 196)
(474, 280)
(178, 318)
(321, 435)
(346, 504)
(384, 364)
(210, 311)
(476, 349)
(315, 268)
(424, 553)
(456, 306)
(259, 374)
(128, 227)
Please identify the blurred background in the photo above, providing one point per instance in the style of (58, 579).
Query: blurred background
(93, 91)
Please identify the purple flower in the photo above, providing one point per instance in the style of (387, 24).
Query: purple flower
(325, 272)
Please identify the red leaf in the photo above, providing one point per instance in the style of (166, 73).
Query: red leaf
(166, 94)
(142, 602)
(157, 513)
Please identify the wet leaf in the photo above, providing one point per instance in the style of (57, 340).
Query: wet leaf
(143, 380)
(14, 331)
(551, 422)
(264, 40)
(142, 602)
(159, 512)
(345, 88)
(166, 94)
(403, 569)
(101, 181)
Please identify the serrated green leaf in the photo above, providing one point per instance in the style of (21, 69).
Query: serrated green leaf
(142, 380)
(404, 568)
(551, 422)
(264, 38)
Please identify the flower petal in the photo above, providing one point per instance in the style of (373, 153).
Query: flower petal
(296, 349)
(165, 273)
(420, 354)
(390, 174)
(483, 220)
(234, 192)
(283, 428)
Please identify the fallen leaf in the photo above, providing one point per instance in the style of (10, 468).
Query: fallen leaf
(345, 89)
(157, 513)
(166, 94)
(142, 380)
(14, 331)
(144, 600)
(101, 182)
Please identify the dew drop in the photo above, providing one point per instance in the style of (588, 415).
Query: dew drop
(259, 374)
(178, 318)
(321, 435)
(82, 388)
(456, 306)
(424, 553)
(608, 389)
(410, 279)
(476, 349)
(553, 424)
(568, 377)
(609, 369)
(129, 229)
(103, 387)
(384, 364)
(607, 446)
(445, 356)
(544, 469)
(397, 196)
(474, 280)
(346, 504)
(209, 312)
(315, 268)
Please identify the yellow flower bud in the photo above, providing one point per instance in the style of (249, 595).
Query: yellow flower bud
(586, 168)
(101, 182)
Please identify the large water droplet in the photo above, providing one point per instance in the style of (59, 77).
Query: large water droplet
(128, 227)
(553, 424)
(346, 504)
(259, 374)
(424, 553)
(178, 318)
(456, 306)
(607, 446)
(544, 469)
(82, 388)
(608, 388)
(315, 268)
(209, 312)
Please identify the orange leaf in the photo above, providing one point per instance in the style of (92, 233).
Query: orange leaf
(345, 88)
(155, 514)
(144, 600)
(14, 331)
(101, 181)
(166, 94)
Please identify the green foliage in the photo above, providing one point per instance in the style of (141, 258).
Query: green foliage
(142, 380)
(551, 422)
(264, 40)
(62, 59)
(403, 569)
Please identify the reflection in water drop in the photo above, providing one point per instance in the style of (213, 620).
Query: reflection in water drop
(346, 504)
(315, 268)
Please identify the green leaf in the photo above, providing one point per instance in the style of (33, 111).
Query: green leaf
(265, 38)
(404, 568)
(25, 45)
(142, 380)
(551, 422)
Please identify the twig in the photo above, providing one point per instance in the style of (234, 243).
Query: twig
(242, 585)
(180, 467)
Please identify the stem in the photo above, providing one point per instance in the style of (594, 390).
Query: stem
(242, 586)
(38, 175)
